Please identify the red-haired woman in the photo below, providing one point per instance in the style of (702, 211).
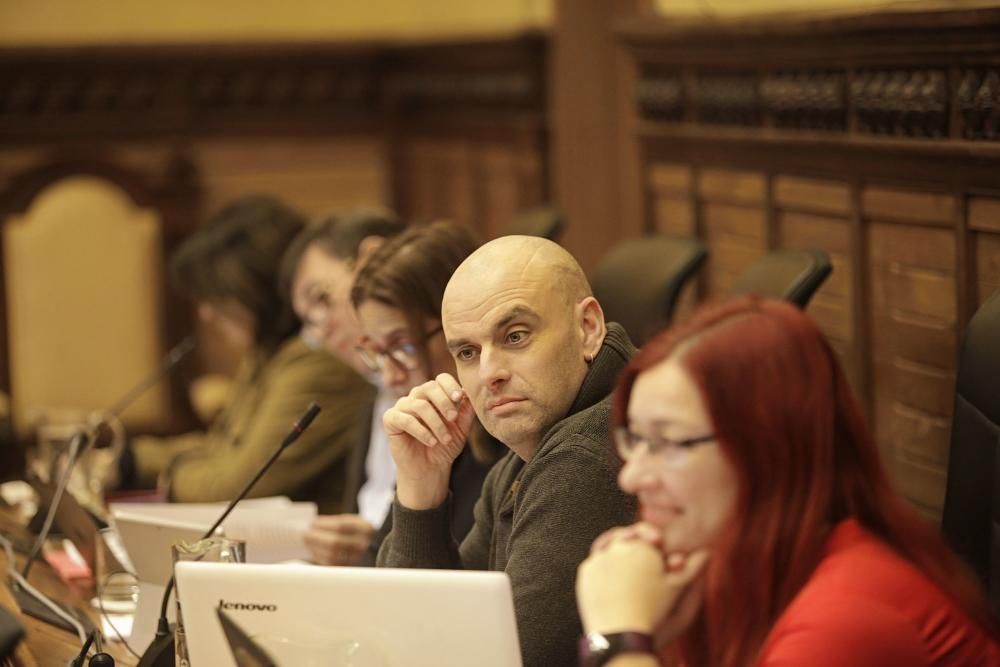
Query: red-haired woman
(769, 534)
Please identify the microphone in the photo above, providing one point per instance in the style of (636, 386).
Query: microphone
(83, 438)
(167, 365)
(161, 651)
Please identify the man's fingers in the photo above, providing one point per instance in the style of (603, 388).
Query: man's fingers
(333, 539)
(466, 415)
(398, 422)
(432, 419)
(452, 389)
(437, 395)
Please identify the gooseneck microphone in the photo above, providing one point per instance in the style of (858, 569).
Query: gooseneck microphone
(161, 650)
(83, 438)
(168, 364)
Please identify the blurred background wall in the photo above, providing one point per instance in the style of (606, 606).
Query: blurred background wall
(867, 128)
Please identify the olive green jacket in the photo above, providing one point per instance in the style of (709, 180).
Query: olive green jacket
(268, 396)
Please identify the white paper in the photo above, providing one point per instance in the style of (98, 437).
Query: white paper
(273, 528)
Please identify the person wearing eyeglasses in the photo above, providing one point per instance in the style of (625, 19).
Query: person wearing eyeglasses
(318, 270)
(769, 533)
(397, 296)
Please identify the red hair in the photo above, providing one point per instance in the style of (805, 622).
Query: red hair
(788, 423)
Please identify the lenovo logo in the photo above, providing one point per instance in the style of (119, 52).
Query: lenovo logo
(247, 606)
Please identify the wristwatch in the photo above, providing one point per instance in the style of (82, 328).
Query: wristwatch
(597, 650)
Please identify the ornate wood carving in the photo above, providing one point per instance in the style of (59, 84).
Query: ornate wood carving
(726, 99)
(874, 138)
(661, 97)
(911, 103)
(873, 75)
(513, 89)
(806, 99)
(142, 92)
(978, 100)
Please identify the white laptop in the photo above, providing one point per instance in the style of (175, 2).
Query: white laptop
(364, 617)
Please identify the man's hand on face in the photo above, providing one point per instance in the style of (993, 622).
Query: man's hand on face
(427, 430)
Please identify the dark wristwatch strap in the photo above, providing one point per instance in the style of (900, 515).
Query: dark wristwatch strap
(597, 650)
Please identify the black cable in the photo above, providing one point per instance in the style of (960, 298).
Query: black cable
(82, 655)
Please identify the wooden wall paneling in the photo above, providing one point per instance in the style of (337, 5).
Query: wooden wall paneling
(671, 204)
(316, 176)
(833, 304)
(771, 224)
(879, 137)
(984, 226)
(460, 177)
(817, 213)
(965, 270)
(672, 208)
(914, 343)
(915, 325)
(861, 312)
(813, 195)
(499, 185)
(734, 223)
(987, 260)
(468, 137)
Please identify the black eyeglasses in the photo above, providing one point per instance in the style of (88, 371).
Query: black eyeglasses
(670, 451)
(405, 357)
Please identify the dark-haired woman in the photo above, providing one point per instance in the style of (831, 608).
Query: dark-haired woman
(397, 295)
(230, 268)
(769, 533)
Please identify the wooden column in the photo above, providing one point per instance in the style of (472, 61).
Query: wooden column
(587, 119)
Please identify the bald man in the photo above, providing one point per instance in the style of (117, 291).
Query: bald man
(536, 363)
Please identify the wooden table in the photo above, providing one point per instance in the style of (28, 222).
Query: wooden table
(46, 645)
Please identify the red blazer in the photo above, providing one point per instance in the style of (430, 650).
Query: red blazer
(865, 606)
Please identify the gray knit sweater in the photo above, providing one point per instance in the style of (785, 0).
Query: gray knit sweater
(536, 520)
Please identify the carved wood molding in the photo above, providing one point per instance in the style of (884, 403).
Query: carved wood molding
(502, 74)
(140, 92)
(930, 75)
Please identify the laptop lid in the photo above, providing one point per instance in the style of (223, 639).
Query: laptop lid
(246, 652)
(148, 541)
(375, 617)
(72, 520)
